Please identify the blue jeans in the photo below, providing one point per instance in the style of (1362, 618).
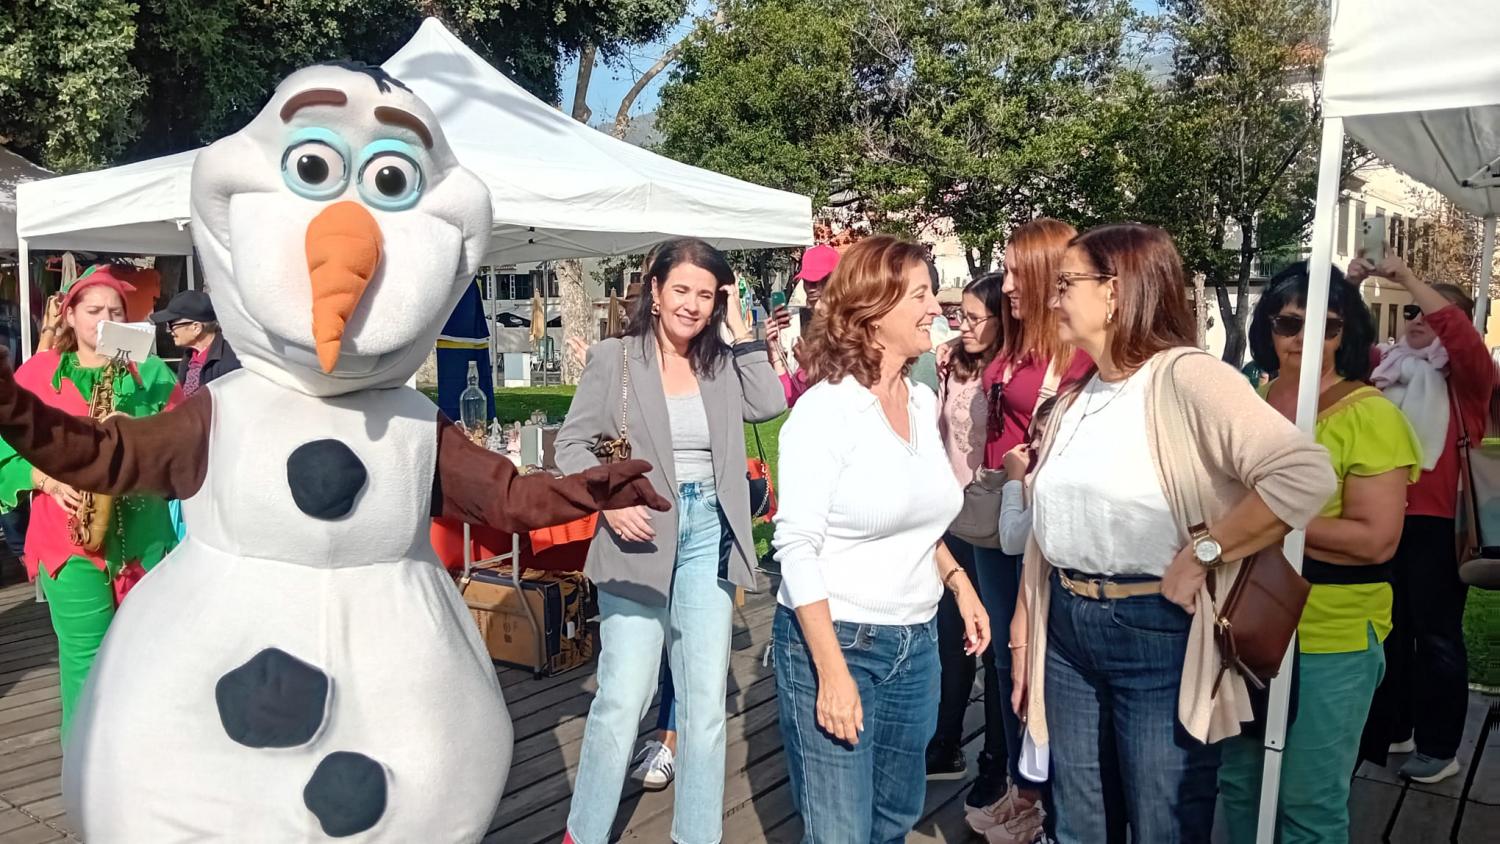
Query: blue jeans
(999, 583)
(1119, 756)
(872, 791)
(696, 626)
(666, 708)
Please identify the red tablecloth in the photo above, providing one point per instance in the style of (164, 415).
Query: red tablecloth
(448, 542)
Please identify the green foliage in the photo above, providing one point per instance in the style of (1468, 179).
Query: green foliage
(84, 83)
(979, 113)
(1231, 139)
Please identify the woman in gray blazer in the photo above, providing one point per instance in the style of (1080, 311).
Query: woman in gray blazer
(670, 577)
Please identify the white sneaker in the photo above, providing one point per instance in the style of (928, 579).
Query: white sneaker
(1008, 806)
(1399, 747)
(1023, 828)
(654, 766)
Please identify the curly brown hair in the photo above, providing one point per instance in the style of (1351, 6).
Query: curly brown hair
(867, 284)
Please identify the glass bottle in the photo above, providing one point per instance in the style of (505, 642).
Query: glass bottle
(473, 410)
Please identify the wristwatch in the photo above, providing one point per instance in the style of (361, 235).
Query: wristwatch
(1206, 549)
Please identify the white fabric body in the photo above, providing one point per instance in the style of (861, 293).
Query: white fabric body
(1097, 503)
(362, 598)
(861, 510)
(559, 189)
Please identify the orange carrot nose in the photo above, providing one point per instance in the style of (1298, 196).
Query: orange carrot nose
(343, 250)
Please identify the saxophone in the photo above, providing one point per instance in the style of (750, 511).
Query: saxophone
(90, 525)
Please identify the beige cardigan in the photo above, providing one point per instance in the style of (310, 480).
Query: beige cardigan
(1237, 443)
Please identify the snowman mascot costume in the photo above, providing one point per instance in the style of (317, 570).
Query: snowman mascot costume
(301, 668)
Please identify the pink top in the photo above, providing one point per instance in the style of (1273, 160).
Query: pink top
(962, 411)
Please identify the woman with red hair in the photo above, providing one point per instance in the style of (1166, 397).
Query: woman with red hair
(868, 494)
(1033, 364)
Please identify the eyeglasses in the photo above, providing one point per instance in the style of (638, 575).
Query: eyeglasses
(1290, 325)
(1066, 279)
(173, 326)
(1411, 312)
(964, 319)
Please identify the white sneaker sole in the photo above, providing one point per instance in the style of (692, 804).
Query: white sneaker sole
(1408, 746)
(1448, 770)
(945, 776)
(654, 785)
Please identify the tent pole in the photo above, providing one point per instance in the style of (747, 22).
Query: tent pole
(23, 295)
(1486, 272)
(1330, 157)
(192, 276)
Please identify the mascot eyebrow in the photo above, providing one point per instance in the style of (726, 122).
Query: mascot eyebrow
(389, 115)
(392, 116)
(314, 97)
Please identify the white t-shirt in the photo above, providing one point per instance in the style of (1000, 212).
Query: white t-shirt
(861, 509)
(1098, 506)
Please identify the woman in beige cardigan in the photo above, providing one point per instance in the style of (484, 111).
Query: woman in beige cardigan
(1116, 663)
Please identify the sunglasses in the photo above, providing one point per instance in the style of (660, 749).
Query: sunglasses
(1411, 312)
(173, 326)
(1288, 325)
(1066, 279)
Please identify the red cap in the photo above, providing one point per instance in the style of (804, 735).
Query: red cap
(817, 263)
(105, 275)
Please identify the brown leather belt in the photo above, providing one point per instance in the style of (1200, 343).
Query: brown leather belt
(1104, 589)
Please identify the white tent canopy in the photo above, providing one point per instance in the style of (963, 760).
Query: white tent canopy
(13, 171)
(560, 189)
(1419, 85)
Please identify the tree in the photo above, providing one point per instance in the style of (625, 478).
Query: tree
(1226, 150)
(88, 83)
(972, 115)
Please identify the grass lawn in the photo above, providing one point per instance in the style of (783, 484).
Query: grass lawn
(1482, 632)
(1481, 622)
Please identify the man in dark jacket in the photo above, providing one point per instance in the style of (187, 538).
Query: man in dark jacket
(190, 318)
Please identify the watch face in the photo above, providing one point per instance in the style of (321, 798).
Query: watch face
(1206, 550)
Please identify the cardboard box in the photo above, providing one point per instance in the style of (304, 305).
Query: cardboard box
(558, 601)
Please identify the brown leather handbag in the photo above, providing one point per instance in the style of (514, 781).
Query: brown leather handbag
(1254, 623)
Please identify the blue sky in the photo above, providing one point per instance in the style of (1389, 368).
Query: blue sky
(609, 83)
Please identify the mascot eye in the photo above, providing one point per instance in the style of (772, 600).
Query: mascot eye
(314, 169)
(390, 181)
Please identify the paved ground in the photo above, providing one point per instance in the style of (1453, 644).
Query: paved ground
(549, 716)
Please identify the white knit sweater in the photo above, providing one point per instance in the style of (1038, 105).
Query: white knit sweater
(862, 510)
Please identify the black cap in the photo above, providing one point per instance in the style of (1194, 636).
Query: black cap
(190, 305)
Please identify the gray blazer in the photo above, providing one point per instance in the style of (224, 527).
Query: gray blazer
(744, 388)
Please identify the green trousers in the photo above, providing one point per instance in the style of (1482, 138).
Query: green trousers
(82, 603)
(1322, 746)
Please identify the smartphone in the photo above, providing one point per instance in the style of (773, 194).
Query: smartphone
(778, 299)
(1372, 239)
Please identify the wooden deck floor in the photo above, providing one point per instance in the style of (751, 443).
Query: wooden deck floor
(549, 716)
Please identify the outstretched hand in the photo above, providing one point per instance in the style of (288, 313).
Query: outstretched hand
(615, 486)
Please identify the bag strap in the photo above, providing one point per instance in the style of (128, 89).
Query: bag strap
(1469, 500)
(759, 451)
(624, 391)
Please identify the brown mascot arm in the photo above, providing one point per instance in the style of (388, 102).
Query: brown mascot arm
(165, 454)
(478, 486)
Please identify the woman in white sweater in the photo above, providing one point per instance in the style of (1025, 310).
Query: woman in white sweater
(867, 491)
(1156, 479)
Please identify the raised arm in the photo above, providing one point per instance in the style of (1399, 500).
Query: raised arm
(165, 454)
(764, 396)
(478, 486)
